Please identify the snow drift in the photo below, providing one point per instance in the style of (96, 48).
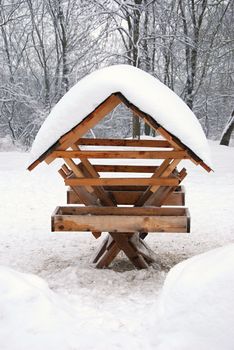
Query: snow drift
(197, 304)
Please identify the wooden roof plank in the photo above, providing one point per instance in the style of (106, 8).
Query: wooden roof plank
(79, 130)
(93, 118)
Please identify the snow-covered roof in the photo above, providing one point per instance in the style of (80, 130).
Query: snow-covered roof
(138, 87)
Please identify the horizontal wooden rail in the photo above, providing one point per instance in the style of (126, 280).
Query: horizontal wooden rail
(130, 197)
(122, 154)
(133, 211)
(122, 142)
(125, 168)
(120, 220)
(122, 182)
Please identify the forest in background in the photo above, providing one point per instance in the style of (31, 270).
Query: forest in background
(46, 46)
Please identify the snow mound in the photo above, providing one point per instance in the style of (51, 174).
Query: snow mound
(31, 315)
(140, 88)
(197, 304)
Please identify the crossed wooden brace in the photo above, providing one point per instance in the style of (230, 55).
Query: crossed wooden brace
(131, 243)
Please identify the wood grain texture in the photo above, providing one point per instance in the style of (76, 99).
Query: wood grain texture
(121, 154)
(122, 181)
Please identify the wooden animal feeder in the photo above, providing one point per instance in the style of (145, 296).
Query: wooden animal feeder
(147, 196)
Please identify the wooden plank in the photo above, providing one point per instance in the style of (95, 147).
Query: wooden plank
(122, 154)
(130, 197)
(77, 172)
(81, 195)
(177, 144)
(82, 128)
(162, 172)
(173, 140)
(79, 130)
(160, 196)
(100, 250)
(93, 118)
(125, 188)
(125, 168)
(116, 223)
(123, 143)
(123, 243)
(90, 121)
(122, 181)
(104, 260)
(143, 248)
(120, 211)
(88, 169)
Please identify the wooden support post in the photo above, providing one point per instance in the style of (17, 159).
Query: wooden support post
(124, 243)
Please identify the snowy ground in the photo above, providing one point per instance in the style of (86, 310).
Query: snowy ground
(114, 308)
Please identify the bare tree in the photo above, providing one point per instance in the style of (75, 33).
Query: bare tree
(227, 133)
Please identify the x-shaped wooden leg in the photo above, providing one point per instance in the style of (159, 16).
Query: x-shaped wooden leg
(132, 243)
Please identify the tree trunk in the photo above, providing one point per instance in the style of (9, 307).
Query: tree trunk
(226, 136)
(136, 125)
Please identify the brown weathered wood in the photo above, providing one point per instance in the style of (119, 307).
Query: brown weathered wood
(109, 254)
(89, 169)
(122, 181)
(125, 188)
(159, 197)
(79, 130)
(99, 192)
(34, 164)
(125, 168)
(77, 196)
(173, 140)
(123, 243)
(75, 169)
(133, 211)
(122, 154)
(142, 248)
(82, 128)
(81, 195)
(177, 198)
(90, 121)
(93, 118)
(177, 144)
(129, 220)
(165, 169)
(85, 163)
(66, 170)
(123, 143)
(102, 248)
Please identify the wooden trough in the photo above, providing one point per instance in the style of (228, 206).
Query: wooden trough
(121, 219)
(126, 200)
(130, 195)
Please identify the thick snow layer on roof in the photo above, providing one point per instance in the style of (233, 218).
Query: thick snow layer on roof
(197, 306)
(141, 89)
